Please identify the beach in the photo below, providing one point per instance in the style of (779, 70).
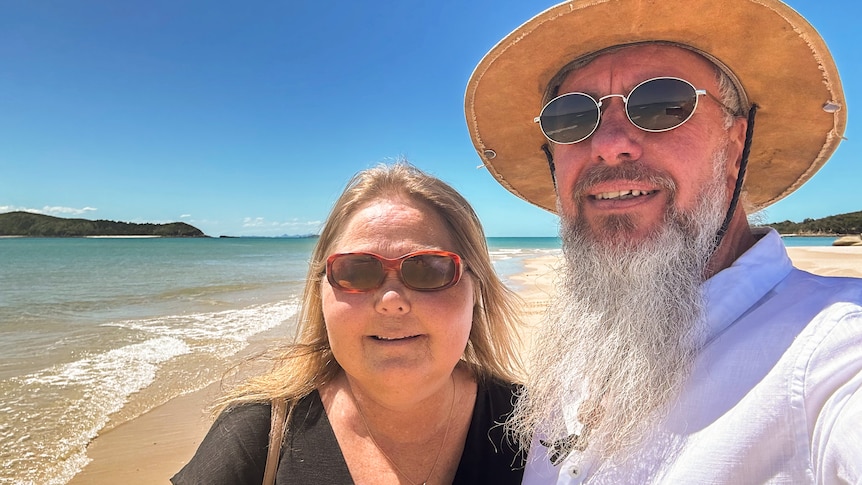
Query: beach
(828, 260)
(151, 448)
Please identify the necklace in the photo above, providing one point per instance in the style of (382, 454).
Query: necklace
(391, 462)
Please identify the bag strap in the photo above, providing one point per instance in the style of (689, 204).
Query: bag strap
(276, 437)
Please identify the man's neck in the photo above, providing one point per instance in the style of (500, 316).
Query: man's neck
(737, 240)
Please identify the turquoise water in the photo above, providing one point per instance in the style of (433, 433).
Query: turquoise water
(791, 241)
(509, 253)
(92, 328)
(95, 332)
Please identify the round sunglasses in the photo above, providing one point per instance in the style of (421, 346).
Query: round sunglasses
(655, 105)
(420, 270)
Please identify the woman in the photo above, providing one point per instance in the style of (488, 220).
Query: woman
(404, 361)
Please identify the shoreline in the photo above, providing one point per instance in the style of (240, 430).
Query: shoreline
(154, 446)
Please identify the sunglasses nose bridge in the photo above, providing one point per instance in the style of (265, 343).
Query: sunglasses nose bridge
(601, 102)
(391, 270)
(604, 105)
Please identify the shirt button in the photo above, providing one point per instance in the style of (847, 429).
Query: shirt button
(574, 472)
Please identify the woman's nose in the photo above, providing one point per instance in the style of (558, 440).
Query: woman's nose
(392, 297)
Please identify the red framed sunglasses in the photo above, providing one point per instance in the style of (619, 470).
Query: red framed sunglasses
(420, 270)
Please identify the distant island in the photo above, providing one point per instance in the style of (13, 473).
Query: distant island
(28, 224)
(838, 225)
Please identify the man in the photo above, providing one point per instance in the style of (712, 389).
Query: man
(684, 347)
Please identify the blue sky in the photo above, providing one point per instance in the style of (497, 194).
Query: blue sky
(247, 118)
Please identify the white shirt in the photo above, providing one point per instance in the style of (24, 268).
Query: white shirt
(775, 396)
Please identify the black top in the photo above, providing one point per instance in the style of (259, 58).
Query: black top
(234, 450)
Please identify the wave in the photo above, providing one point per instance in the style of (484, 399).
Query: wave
(48, 417)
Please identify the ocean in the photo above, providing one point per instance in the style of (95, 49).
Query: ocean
(792, 241)
(95, 332)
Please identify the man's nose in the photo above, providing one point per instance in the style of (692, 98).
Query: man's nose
(616, 140)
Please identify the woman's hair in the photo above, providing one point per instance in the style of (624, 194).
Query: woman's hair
(308, 363)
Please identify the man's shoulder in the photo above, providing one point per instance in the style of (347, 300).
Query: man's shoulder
(832, 305)
(844, 288)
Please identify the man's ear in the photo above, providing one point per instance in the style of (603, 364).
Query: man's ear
(736, 136)
(735, 147)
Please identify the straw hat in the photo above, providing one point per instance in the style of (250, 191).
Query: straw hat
(778, 58)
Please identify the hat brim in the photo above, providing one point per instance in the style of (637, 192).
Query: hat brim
(780, 60)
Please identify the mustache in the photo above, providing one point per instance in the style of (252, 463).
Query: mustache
(631, 171)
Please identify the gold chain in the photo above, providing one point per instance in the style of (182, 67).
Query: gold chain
(391, 462)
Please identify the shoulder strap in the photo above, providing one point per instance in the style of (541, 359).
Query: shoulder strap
(276, 437)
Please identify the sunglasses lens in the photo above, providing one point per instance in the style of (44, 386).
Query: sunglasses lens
(429, 271)
(356, 272)
(423, 271)
(569, 118)
(661, 104)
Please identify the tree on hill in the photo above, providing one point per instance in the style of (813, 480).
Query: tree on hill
(849, 223)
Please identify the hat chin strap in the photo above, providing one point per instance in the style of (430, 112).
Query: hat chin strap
(737, 190)
(551, 166)
(743, 165)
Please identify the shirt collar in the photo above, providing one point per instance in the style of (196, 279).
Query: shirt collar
(734, 290)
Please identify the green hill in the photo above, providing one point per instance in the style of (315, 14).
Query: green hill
(841, 224)
(39, 225)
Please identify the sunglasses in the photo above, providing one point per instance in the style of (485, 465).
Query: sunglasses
(419, 270)
(655, 105)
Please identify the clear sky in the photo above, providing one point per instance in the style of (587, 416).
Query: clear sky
(248, 117)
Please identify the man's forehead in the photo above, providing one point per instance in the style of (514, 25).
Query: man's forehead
(632, 64)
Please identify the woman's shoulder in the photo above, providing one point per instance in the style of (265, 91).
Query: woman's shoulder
(234, 449)
(245, 412)
(257, 415)
(489, 455)
(246, 422)
(498, 390)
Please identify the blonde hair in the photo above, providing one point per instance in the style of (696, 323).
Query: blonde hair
(308, 363)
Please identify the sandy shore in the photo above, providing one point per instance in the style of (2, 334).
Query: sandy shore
(151, 448)
(828, 260)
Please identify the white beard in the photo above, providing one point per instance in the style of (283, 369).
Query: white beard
(620, 340)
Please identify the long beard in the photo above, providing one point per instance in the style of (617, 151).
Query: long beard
(622, 336)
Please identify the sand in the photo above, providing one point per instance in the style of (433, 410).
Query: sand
(828, 260)
(151, 448)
